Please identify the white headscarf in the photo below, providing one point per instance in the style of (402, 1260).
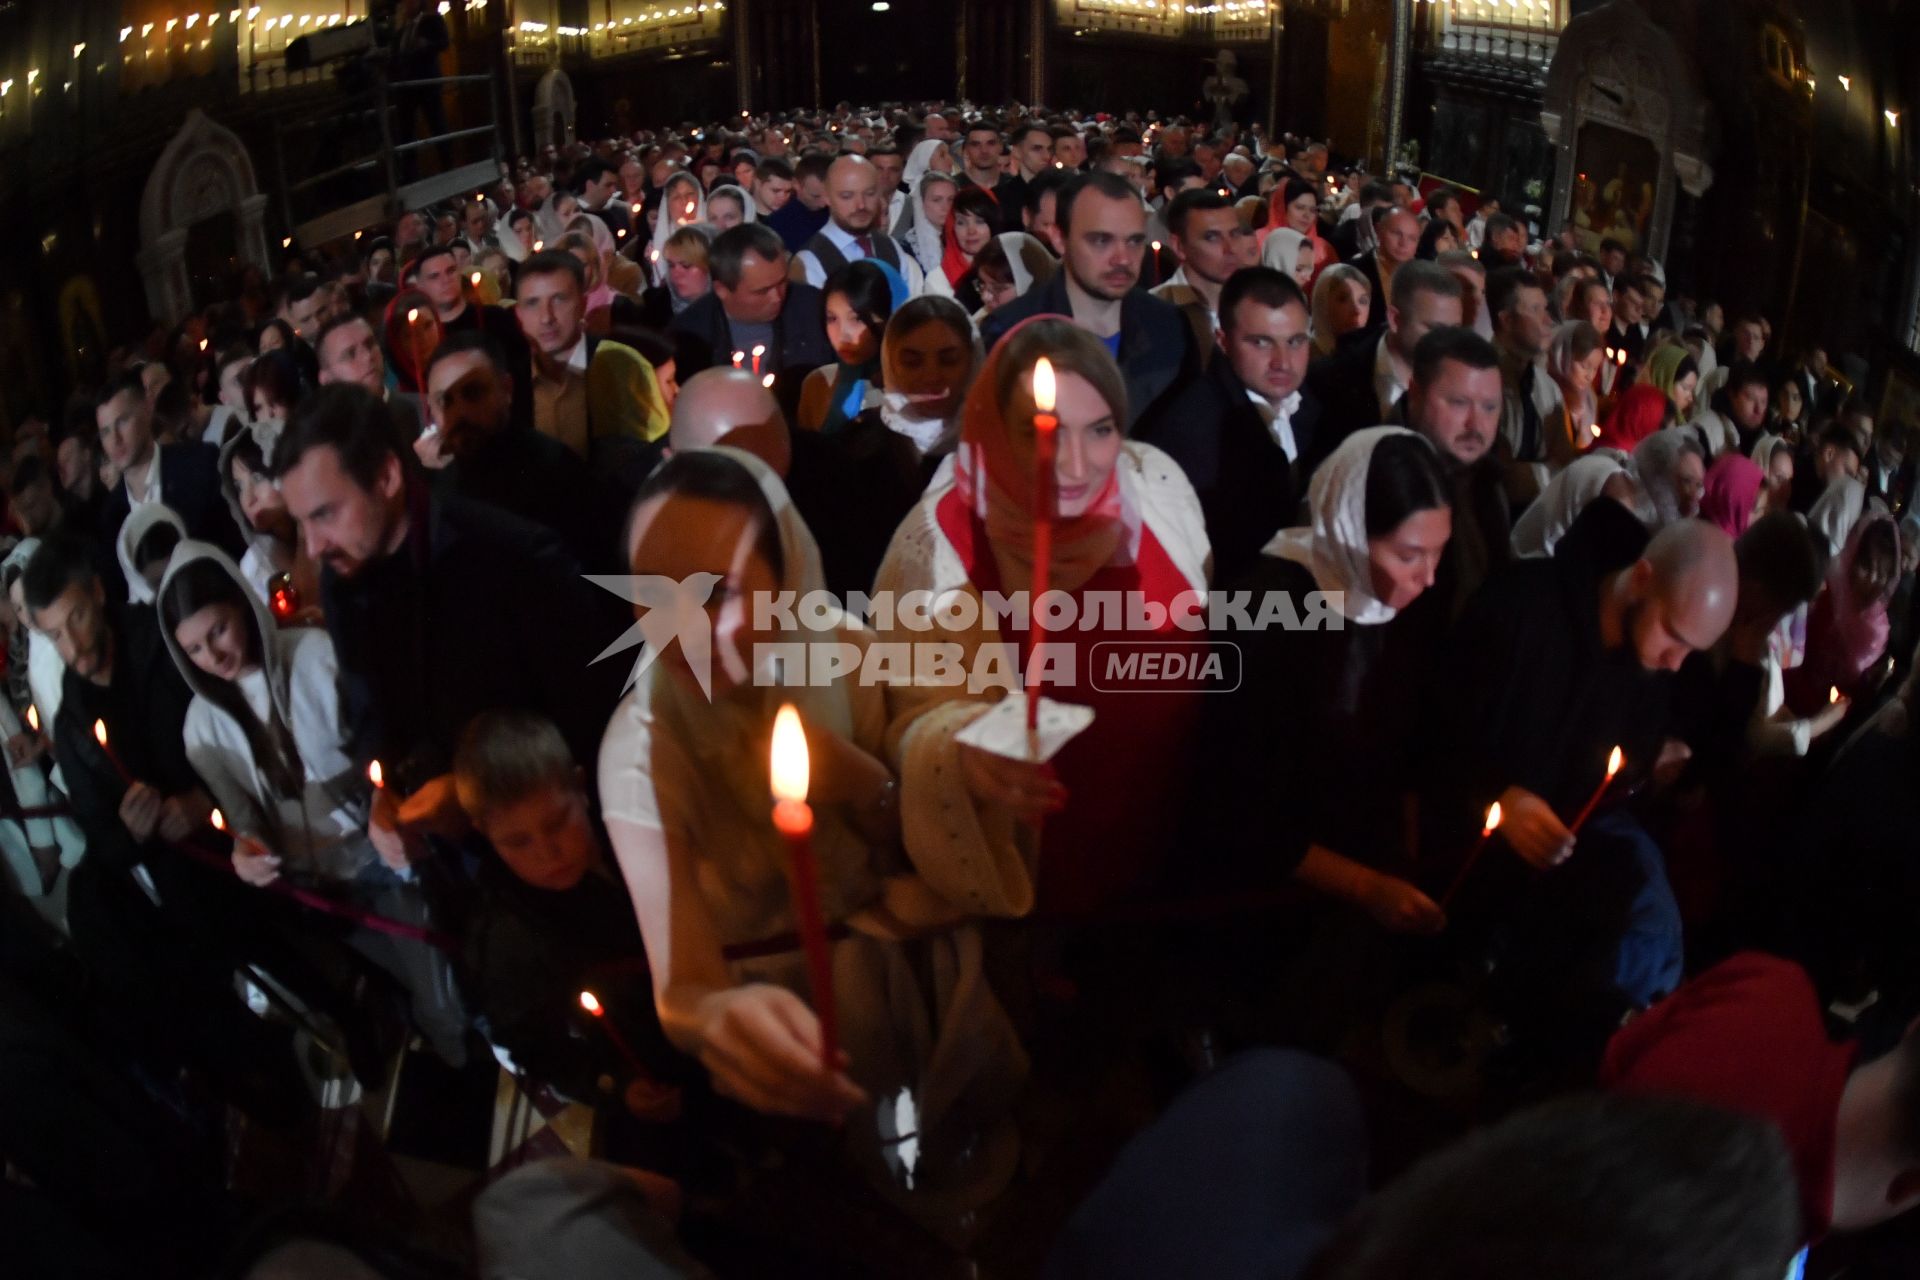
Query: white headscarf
(1654, 461)
(923, 238)
(1837, 510)
(748, 212)
(1282, 250)
(141, 522)
(916, 167)
(1016, 243)
(1544, 523)
(672, 208)
(1334, 546)
(1763, 448)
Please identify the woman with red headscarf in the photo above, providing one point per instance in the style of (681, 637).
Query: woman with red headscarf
(1638, 412)
(1296, 203)
(1733, 488)
(1089, 827)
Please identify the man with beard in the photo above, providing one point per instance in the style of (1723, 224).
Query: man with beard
(855, 202)
(1455, 401)
(439, 608)
(1104, 230)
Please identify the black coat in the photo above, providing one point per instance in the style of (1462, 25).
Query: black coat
(190, 487)
(535, 477)
(1525, 693)
(1321, 730)
(1248, 488)
(477, 611)
(1157, 355)
(1342, 384)
(500, 324)
(853, 488)
(799, 341)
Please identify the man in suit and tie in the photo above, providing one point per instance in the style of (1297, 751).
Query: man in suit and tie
(184, 476)
(1240, 431)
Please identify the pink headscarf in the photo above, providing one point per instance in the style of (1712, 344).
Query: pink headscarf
(1846, 633)
(1733, 485)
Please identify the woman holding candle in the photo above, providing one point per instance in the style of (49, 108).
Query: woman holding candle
(1125, 521)
(1310, 756)
(1848, 627)
(264, 734)
(683, 205)
(686, 793)
(411, 330)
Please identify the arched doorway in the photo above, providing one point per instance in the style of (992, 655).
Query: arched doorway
(203, 173)
(553, 108)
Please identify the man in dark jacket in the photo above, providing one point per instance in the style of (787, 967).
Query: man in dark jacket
(1240, 431)
(184, 476)
(439, 608)
(754, 304)
(1104, 229)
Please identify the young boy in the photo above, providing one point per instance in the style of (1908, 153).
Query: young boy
(553, 921)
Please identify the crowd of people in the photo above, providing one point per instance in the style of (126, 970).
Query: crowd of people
(1546, 779)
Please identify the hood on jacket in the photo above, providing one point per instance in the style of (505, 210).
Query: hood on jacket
(138, 524)
(271, 650)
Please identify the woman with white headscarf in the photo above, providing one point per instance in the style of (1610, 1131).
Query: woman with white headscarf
(1007, 269)
(1836, 511)
(1291, 254)
(928, 207)
(684, 785)
(930, 155)
(29, 847)
(1309, 765)
(1542, 525)
(681, 205)
(726, 195)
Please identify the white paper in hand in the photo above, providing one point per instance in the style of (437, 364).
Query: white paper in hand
(1003, 730)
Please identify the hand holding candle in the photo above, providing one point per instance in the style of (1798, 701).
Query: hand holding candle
(100, 736)
(794, 820)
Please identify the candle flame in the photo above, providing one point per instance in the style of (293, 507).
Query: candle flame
(1043, 390)
(1614, 762)
(689, 208)
(218, 820)
(476, 279)
(413, 314)
(33, 718)
(1620, 357)
(789, 756)
(203, 344)
(1833, 694)
(759, 349)
(1493, 819)
(376, 775)
(767, 382)
(538, 245)
(591, 1003)
(100, 732)
(1595, 428)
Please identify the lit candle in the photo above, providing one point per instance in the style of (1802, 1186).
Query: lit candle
(1153, 264)
(794, 820)
(767, 382)
(759, 349)
(33, 717)
(1614, 761)
(100, 736)
(1833, 694)
(1479, 847)
(377, 776)
(591, 1003)
(1045, 424)
(738, 356)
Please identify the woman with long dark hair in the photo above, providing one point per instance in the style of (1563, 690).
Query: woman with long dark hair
(857, 302)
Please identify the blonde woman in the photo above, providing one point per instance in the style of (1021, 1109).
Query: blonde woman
(1342, 299)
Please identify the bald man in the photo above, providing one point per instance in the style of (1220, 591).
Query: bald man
(866, 461)
(856, 210)
(1552, 665)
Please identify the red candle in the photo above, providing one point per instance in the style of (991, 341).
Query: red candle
(1480, 847)
(419, 356)
(1045, 425)
(1614, 761)
(100, 736)
(759, 349)
(591, 1003)
(794, 820)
